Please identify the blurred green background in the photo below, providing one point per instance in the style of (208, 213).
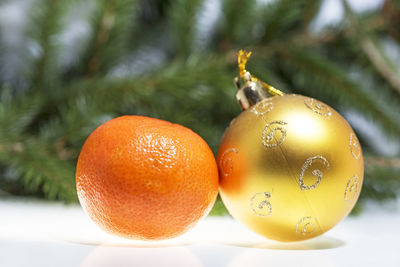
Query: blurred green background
(67, 66)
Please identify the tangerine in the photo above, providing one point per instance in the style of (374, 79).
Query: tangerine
(145, 178)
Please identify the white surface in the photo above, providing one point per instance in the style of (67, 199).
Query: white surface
(43, 234)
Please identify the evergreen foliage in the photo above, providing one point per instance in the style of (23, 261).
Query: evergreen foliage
(172, 60)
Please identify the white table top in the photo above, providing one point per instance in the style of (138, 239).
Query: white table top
(50, 234)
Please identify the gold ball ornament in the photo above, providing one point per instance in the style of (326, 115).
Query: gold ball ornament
(291, 167)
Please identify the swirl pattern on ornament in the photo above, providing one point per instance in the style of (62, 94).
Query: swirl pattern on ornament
(226, 163)
(355, 147)
(306, 225)
(263, 107)
(268, 135)
(260, 205)
(318, 107)
(351, 189)
(316, 172)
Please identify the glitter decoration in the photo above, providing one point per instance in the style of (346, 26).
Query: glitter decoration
(355, 147)
(226, 163)
(306, 225)
(262, 107)
(318, 107)
(351, 189)
(260, 205)
(316, 173)
(268, 135)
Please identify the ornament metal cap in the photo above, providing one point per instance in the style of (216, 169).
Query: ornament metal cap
(253, 89)
(250, 93)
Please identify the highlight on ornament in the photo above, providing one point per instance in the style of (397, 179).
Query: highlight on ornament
(291, 167)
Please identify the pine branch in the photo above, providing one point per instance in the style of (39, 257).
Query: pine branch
(379, 62)
(391, 13)
(17, 113)
(45, 25)
(383, 162)
(387, 187)
(33, 165)
(183, 16)
(234, 26)
(112, 25)
(37, 167)
(310, 11)
(283, 18)
(374, 54)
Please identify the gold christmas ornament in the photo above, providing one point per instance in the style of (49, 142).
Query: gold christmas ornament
(291, 167)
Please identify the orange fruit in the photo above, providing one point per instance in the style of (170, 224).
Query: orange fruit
(144, 178)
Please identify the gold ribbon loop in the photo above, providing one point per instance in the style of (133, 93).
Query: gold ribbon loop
(243, 57)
